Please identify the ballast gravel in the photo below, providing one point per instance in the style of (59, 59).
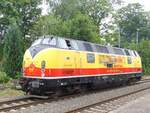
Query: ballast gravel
(140, 105)
(62, 106)
(113, 105)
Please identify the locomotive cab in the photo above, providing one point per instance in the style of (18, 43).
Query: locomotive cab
(43, 60)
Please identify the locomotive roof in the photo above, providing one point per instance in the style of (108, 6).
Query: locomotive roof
(52, 36)
(81, 41)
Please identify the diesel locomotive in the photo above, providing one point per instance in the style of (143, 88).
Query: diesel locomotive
(53, 63)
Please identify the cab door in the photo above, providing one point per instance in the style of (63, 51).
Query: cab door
(78, 63)
(70, 55)
(69, 63)
(77, 57)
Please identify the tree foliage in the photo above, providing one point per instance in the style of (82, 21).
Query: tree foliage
(131, 18)
(77, 19)
(25, 12)
(96, 9)
(144, 52)
(13, 50)
(79, 27)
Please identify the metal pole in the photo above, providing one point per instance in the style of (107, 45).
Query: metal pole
(119, 38)
(137, 36)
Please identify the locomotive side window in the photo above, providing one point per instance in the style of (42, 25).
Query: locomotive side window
(110, 49)
(68, 44)
(101, 49)
(71, 44)
(131, 53)
(74, 45)
(62, 43)
(118, 51)
(88, 47)
(81, 46)
(90, 58)
(52, 42)
(136, 53)
(49, 41)
(45, 41)
(127, 52)
(97, 48)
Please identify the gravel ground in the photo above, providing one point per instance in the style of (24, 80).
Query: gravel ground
(62, 106)
(112, 106)
(141, 105)
(146, 77)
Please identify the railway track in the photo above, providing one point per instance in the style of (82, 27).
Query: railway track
(98, 107)
(28, 101)
(18, 103)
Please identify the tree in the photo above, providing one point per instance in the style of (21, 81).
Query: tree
(13, 50)
(95, 9)
(129, 19)
(46, 25)
(144, 53)
(79, 27)
(26, 12)
(83, 28)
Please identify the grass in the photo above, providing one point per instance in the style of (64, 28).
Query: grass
(8, 92)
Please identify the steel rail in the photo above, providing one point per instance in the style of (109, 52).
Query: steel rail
(27, 101)
(105, 101)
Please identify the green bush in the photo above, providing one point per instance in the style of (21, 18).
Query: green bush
(3, 77)
(144, 51)
(12, 51)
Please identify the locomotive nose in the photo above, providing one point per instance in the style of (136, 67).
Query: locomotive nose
(33, 66)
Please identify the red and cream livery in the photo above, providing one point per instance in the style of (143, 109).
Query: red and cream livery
(52, 63)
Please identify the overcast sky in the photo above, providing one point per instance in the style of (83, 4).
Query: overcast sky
(145, 3)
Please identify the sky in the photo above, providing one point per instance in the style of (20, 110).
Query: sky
(145, 3)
